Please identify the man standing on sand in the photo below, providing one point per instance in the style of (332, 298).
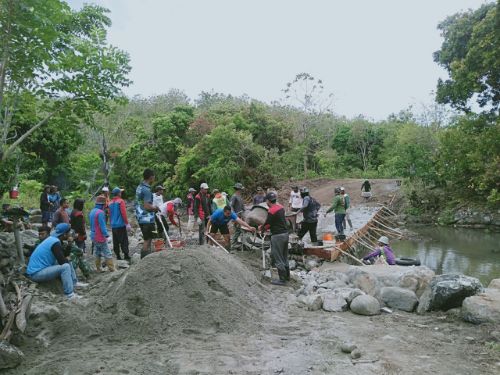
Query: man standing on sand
(202, 211)
(276, 223)
(145, 211)
(338, 206)
(238, 207)
(119, 224)
(295, 201)
(347, 200)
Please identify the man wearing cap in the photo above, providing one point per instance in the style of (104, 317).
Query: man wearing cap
(190, 209)
(99, 234)
(202, 211)
(260, 197)
(48, 262)
(238, 207)
(119, 224)
(276, 223)
(169, 209)
(105, 194)
(145, 211)
(219, 220)
(295, 201)
(347, 202)
(338, 206)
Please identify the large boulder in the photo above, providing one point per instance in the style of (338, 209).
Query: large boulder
(363, 280)
(312, 302)
(416, 279)
(482, 308)
(332, 284)
(399, 298)
(348, 293)
(494, 284)
(448, 291)
(334, 302)
(365, 305)
(10, 356)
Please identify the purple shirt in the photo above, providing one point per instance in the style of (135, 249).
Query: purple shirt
(389, 255)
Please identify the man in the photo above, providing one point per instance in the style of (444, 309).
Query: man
(276, 222)
(45, 205)
(169, 209)
(61, 215)
(76, 257)
(295, 201)
(338, 206)
(219, 220)
(383, 253)
(105, 194)
(366, 186)
(309, 211)
(119, 224)
(48, 263)
(347, 200)
(145, 211)
(77, 219)
(238, 207)
(218, 201)
(43, 233)
(99, 235)
(158, 196)
(202, 211)
(260, 197)
(158, 203)
(190, 208)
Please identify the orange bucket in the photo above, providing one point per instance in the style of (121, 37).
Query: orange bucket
(159, 244)
(327, 237)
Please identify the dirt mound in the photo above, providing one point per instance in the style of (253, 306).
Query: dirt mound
(196, 290)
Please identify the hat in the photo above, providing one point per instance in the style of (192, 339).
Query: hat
(271, 196)
(342, 188)
(216, 191)
(159, 187)
(259, 189)
(105, 188)
(191, 190)
(61, 229)
(116, 190)
(238, 186)
(177, 201)
(100, 200)
(383, 240)
(204, 186)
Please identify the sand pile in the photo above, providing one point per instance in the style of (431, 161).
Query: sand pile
(196, 290)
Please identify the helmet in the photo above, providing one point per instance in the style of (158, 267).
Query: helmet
(383, 240)
(304, 190)
(271, 196)
(191, 190)
(342, 188)
(238, 186)
(177, 201)
(337, 190)
(204, 186)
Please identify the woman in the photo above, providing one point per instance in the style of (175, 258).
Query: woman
(383, 254)
(77, 219)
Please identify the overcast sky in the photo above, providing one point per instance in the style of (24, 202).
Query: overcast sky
(375, 56)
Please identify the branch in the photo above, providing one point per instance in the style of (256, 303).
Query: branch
(11, 148)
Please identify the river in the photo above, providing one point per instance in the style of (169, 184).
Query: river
(449, 250)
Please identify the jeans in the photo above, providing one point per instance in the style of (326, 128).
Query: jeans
(339, 221)
(65, 271)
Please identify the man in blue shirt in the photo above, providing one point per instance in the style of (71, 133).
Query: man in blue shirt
(48, 262)
(145, 211)
(219, 220)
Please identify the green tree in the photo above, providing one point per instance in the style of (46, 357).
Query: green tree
(471, 54)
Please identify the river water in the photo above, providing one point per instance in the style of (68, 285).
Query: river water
(448, 250)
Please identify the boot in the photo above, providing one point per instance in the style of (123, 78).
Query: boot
(111, 266)
(282, 278)
(98, 264)
(287, 273)
(118, 256)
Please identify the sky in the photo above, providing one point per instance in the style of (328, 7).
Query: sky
(375, 56)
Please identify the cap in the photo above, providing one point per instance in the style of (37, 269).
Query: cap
(204, 186)
(383, 240)
(100, 200)
(259, 189)
(61, 229)
(177, 201)
(116, 190)
(105, 188)
(271, 196)
(238, 186)
(216, 191)
(191, 190)
(342, 188)
(159, 187)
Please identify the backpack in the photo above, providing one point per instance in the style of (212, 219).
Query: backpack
(315, 206)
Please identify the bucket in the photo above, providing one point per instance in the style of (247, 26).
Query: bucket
(14, 193)
(327, 237)
(159, 244)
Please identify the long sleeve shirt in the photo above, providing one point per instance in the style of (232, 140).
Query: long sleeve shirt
(78, 224)
(338, 205)
(276, 220)
(98, 230)
(118, 213)
(385, 252)
(167, 209)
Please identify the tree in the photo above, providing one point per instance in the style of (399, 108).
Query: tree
(58, 58)
(470, 53)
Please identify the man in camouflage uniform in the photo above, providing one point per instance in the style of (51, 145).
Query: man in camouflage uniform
(75, 255)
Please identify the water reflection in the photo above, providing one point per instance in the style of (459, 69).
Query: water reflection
(471, 252)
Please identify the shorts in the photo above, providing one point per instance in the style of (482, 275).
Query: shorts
(223, 229)
(101, 250)
(148, 231)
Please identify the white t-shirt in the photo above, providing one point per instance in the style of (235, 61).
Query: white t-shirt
(157, 200)
(295, 199)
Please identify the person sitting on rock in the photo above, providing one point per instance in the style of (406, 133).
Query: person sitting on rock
(75, 255)
(49, 263)
(219, 220)
(383, 254)
(43, 233)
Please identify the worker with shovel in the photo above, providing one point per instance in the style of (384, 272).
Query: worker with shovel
(276, 223)
(219, 220)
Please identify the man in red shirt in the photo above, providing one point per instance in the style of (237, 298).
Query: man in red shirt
(169, 209)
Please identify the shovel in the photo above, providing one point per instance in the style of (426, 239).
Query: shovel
(164, 230)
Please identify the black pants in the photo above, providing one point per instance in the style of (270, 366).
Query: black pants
(159, 228)
(120, 240)
(308, 227)
(279, 251)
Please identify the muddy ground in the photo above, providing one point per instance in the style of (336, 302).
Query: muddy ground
(202, 311)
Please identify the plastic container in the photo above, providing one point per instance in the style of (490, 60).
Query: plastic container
(327, 237)
(14, 193)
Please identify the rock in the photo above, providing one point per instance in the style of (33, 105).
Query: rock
(332, 284)
(36, 211)
(135, 258)
(363, 280)
(122, 264)
(347, 347)
(312, 302)
(311, 264)
(494, 284)
(365, 305)
(10, 356)
(36, 219)
(424, 302)
(355, 354)
(399, 298)
(40, 310)
(310, 287)
(292, 264)
(416, 279)
(334, 302)
(482, 308)
(455, 312)
(449, 290)
(348, 293)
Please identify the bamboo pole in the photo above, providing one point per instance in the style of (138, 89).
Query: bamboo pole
(380, 230)
(385, 226)
(350, 255)
(214, 241)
